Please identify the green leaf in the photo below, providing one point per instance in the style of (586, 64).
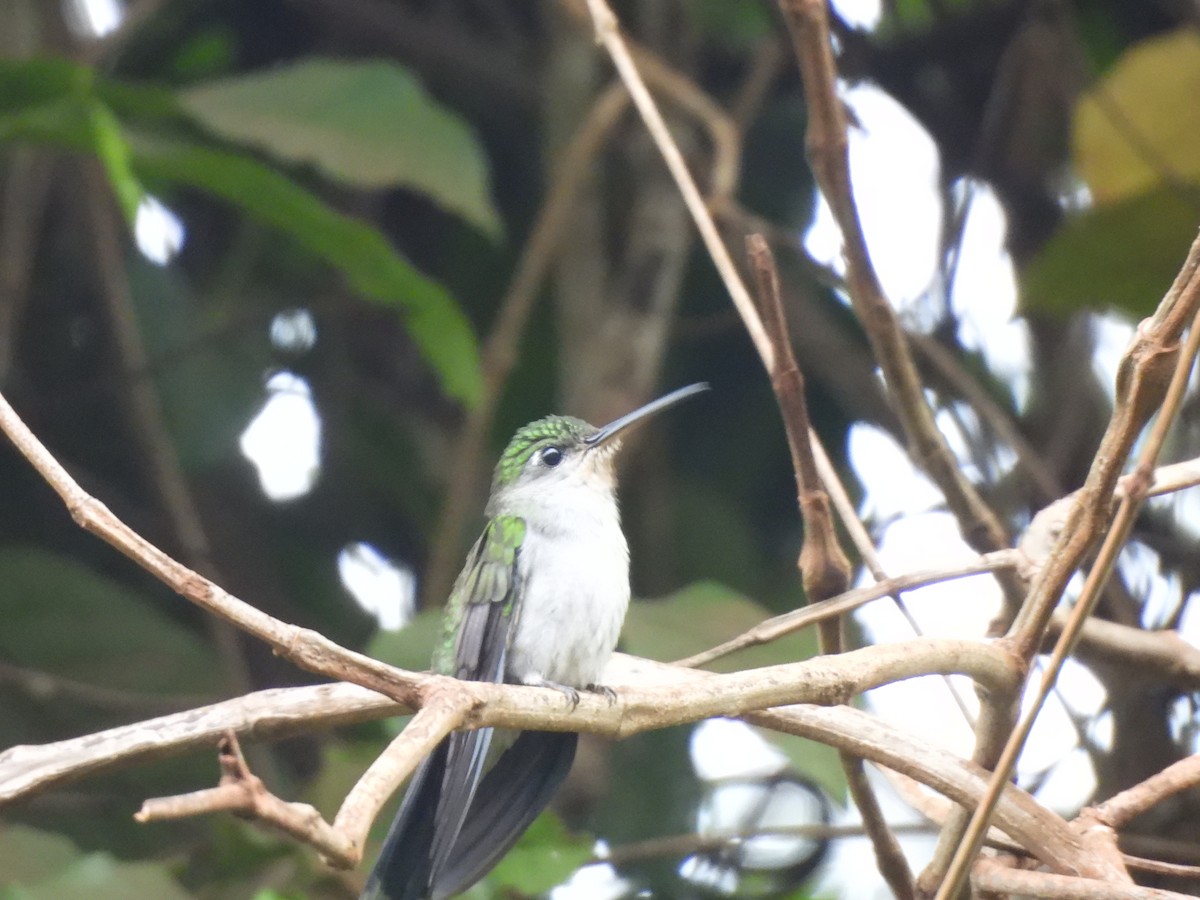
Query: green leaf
(817, 761)
(209, 377)
(369, 124)
(35, 82)
(27, 855)
(56, 102)
(1139, 127)
(113, 151)
(64, 618)
(372, 266)
(1122, 255)
(546, 855)
(98, 876)
(701, 616)
(411, 646)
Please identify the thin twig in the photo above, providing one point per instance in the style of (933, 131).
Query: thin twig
(608, 33)
(428, 727)
(243, 793)
(991, 878)
(824, 567)
(789, 622)
(1118, 810)
(827, 144)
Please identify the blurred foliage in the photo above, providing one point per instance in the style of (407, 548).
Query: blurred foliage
(380, 167)
(68, 105)
(1137, 149)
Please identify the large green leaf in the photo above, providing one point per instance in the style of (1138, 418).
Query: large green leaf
(410, 647)
(99, 876)
(28, 855)
(701, 616)
(53, 101)
(1121, 255)
(705, 614)
(365, 123)
(112, 149)
(64, 618)
(208, 377)
(1139, 127)
(373, 267)
(545, 855)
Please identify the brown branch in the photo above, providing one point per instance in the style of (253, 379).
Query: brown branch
(824, 566)
(243, 793)
(1161, 656)
(990, 877)
(786, 623)
(26, 771)
(652, 697)
(827, 145)
(303, 647)
(425, 731)
(608, 34)
(282, 712)
(341, 843)
(1139, 394)
(1120, 809)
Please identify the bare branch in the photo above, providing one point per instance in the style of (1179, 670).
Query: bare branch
(989, 877)
(1119, 810)
(243, 793)
(786, 623)
(608, 33)
(431, 723)
(1139, 395)
(304, 647)
(827, 144)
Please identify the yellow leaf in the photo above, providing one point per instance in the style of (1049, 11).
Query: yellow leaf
(1139, 127)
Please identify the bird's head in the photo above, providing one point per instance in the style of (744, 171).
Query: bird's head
(560, 451)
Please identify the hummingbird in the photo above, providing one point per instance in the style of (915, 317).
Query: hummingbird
(540, 602)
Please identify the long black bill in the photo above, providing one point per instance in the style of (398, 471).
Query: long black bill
(612, 429)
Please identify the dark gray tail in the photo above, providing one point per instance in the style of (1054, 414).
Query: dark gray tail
(405, 863)
(512, 794)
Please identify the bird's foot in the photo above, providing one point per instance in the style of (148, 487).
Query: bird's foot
(571, 693)
(609, 694)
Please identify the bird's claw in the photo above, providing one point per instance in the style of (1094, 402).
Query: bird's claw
(609, 694)
(571, 694)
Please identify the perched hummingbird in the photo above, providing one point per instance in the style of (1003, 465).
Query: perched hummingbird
(540, 602)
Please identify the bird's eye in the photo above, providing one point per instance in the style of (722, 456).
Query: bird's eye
(551, 457)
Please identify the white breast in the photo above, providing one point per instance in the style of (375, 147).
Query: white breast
(575, 570)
